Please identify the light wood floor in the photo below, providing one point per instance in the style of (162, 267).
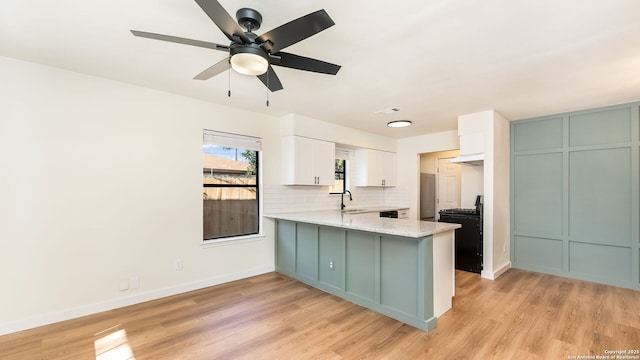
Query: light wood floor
(521, 315)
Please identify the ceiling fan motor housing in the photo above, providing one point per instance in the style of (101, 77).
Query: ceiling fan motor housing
(249, 19)
(252, 48)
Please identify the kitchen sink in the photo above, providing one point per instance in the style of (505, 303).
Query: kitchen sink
(357, 211)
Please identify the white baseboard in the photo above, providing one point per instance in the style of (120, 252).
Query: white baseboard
(502, 270)
(494, 275)
(85, 310)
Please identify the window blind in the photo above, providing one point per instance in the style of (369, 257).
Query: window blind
(211, 137)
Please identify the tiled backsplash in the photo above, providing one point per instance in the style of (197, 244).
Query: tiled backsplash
(284, 198)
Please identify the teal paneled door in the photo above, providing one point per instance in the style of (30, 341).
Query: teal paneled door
(575, 195)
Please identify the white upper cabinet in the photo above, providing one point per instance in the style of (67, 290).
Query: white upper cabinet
(307, 161)
(376, 168)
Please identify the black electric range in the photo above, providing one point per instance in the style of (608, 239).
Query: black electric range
(468, 249)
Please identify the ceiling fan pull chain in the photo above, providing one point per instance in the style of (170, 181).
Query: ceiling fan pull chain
(229, 85)
(267, 86)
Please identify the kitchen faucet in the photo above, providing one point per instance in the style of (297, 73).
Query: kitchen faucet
(342, 206)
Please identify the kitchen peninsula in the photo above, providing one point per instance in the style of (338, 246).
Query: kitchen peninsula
(398, 267)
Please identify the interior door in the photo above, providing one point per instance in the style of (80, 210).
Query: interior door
(448, 185)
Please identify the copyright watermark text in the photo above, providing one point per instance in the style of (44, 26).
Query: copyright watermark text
(623, 354)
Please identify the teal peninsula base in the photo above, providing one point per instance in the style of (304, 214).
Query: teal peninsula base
(408, 277)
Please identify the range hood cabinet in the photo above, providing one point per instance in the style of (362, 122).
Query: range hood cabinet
(471, 159)
(471, 150)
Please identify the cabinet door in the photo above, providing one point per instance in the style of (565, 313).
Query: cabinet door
(388, 170)
(368, 168)
(324, 157)
(376, 168)
(472, 144)
(297, 164)
(307, 161)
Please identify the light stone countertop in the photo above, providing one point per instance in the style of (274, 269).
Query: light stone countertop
(368, 222)
(371, 209)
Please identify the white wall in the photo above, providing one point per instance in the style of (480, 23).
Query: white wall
(472, 184)
(295, 124)
(101, 181)
(501, 194)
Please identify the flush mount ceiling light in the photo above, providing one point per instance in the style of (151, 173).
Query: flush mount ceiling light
(399, 123)
(249, 60)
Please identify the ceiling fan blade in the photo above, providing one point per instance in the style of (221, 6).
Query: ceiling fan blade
(304, 63)
(179, 40)
(214, 70)
(223, 20)
(271, 80)
(294, 31)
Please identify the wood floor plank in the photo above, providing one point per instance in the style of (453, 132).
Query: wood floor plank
(521, 315)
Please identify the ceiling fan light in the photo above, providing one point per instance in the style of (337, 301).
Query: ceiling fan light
(249, 64)
(399, 123)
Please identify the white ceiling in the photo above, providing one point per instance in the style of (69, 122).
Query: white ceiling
(432, 59)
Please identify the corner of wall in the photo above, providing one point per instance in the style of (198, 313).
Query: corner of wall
(287, 123)
(492, 275)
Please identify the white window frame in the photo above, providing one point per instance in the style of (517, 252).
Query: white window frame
(246, 142)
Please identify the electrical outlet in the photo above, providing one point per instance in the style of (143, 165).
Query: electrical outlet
(331, 265)
(178, 264)
(124, 284)
(134, 282)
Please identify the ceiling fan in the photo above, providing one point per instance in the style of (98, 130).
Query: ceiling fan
(251, 54)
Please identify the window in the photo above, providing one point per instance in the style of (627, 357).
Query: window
(340, 184)
(230, 179)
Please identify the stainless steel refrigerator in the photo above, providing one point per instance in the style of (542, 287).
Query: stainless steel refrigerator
(427, 197)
